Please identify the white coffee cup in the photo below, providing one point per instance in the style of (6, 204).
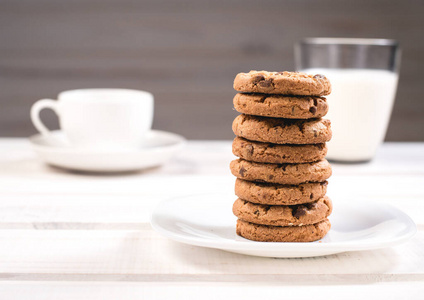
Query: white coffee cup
(99, 118)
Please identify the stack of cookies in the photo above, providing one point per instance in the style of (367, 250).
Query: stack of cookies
(281, 171)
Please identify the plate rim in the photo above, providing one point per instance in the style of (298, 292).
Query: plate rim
(247, 245)
(180, 141)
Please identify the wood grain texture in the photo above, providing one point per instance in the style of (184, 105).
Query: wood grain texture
(187, 53)
(144, 255)
(106, 290)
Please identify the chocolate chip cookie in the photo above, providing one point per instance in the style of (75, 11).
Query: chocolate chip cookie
(277, 194)
(278, 154)
(278, 106)
(268, 233)
(282, 131)
(281, 173)
(286, 83)
(283, 215)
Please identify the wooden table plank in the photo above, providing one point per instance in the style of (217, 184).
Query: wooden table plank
(189, 290)
(72, 198)
(126, 205)
(143, 255)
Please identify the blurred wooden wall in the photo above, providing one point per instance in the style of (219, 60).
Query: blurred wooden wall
(187, 53)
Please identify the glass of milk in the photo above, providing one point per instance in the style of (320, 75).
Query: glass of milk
(364, 75)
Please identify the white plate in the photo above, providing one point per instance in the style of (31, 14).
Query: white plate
(207, 220)
(157, 149)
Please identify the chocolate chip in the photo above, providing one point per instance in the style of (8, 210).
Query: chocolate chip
(256, 212)
(312, 196)
(310, 206)
(265, 83)
(319, 76)
(315, 133)
(313, 109)
(315, 102)
(270, 177)
(258, 78)
(242, 170)
(250, 149)
(300, 211)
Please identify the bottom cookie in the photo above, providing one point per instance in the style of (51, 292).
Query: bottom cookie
(266, 233)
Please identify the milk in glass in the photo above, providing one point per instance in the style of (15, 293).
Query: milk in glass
(360, 105)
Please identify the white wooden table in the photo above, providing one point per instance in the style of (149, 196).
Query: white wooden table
(67, 235)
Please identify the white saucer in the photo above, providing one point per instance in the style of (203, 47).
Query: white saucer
(207, 220)
(158, 148)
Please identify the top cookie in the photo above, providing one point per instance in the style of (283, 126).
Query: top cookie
(286, 83)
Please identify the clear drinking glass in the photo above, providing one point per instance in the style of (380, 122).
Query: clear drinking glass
(364, 75)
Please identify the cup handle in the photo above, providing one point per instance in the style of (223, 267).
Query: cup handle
(35, 114)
